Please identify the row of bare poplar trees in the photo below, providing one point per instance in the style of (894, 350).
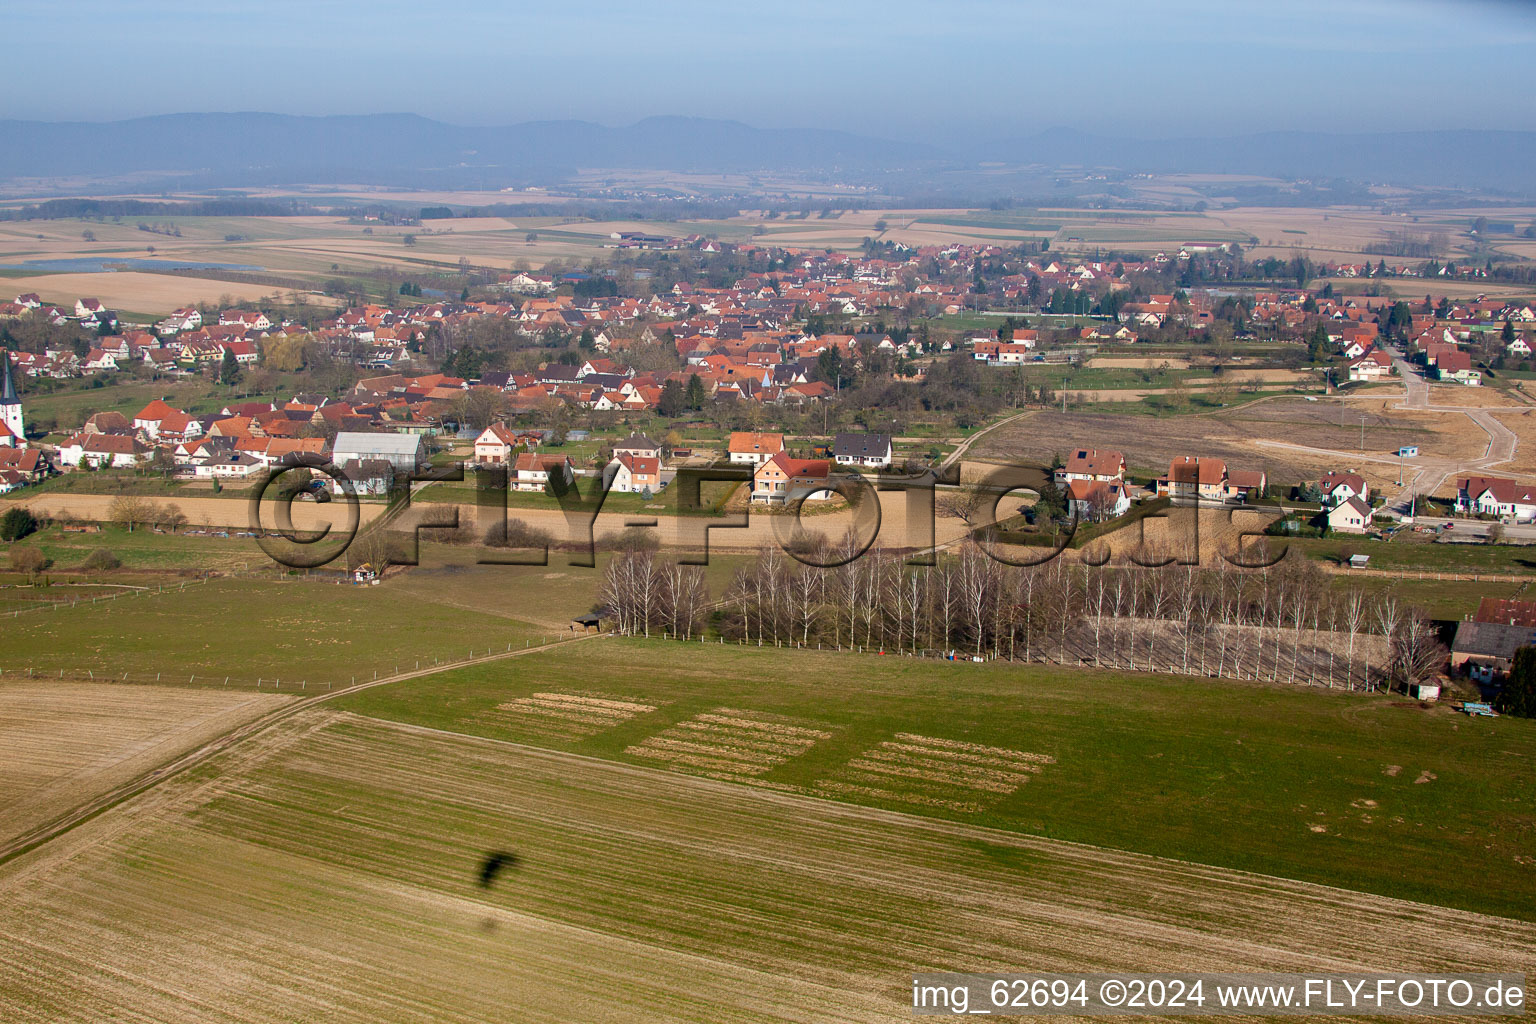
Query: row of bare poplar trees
(1284, 623)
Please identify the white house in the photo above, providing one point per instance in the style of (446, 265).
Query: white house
(1350, 516)
(1098, 500)
(532, 471)
(102, 450)
(638, 445)
(634, 474)
(1339, 487)
(494, 445)
(871, 451)
(1090, 464)
(1495, 496)
(749, 449)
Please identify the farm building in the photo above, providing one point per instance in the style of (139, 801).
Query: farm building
(403, 451)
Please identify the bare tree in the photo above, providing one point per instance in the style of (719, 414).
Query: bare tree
(1417, 654)
(130, 511)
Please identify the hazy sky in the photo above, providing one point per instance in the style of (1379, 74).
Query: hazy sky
(940, 70)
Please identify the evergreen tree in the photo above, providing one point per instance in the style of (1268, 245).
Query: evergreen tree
(229, 369)
(693, 398)
(1519, 694)
(1317, 343)
(670, 404)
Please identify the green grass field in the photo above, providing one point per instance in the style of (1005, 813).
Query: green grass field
(247, 629)
(1412, 552)
(1440, 599)
(1306, 784)
(143, 548)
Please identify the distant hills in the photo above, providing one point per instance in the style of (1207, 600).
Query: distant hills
(1498, 160)
(404, 150)
(407, 150)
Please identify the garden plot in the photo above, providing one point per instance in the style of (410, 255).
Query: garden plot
(935, 772)
(730, 744)
(569, 716)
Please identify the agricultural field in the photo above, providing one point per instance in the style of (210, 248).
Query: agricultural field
(317, 631)
(294, 256)
(1325, 787)
(328, 869)
(67, 741)
(1291, 438)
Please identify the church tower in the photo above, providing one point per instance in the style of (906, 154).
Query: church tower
(10, 402)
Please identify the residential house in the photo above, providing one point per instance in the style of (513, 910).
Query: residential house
(870, 451)
(751, 449)
(1456, 365)
(158, 421)
(781, 479)
(1372, 366)
(1339, 487)
(102, 450)
(1495, 496)
(1092, 464)
(1195, 479)
(495, 444)
(634, 474)
(1095, 501)
(533, 471)
(639, 446)
(27, 463)
(1349, 516)
(367, 477)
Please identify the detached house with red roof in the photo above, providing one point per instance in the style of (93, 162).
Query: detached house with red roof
(1456, 365)
(634, 474)
(1495, 496)
(495, 444)
(784, 479)
(158, 421)
(102, 450)
(1191, 479)
(751, 449)
(1092, 464)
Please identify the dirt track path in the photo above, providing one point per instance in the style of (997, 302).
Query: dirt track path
(127, 790)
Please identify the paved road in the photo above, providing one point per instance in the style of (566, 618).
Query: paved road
(1431, 473)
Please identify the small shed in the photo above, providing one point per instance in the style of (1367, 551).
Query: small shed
(1408, 451)
(1359, 561)
(586, 624)
(1424, 691)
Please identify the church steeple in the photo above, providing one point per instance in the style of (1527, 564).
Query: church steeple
(10, 402)
(7, 386)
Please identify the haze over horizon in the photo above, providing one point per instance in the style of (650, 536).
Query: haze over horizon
(989, 70)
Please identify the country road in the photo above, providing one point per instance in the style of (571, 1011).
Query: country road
(49, 831)
(1432, 473)
(965, 445)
